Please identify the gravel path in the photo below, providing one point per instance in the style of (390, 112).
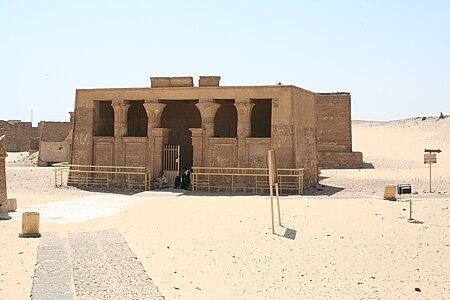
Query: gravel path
(53, 275)
(92, 265)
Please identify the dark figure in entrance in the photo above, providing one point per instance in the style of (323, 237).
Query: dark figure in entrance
(183, 181)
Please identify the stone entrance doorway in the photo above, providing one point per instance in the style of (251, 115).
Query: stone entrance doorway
(171, 162)
(179, 116)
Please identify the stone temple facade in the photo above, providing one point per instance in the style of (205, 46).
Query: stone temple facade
(215, 126)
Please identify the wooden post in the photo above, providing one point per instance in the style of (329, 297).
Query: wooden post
(430, 179)
(410, 208)
(431, 158)
(273, 181)
(271, 202)
(278, 203)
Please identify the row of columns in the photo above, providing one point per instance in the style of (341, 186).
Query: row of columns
(207, 109)
(200, 136)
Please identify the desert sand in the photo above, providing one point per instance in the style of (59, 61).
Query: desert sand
(340, 240)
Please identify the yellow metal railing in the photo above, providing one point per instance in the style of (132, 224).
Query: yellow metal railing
(245, 179)
(106, 176)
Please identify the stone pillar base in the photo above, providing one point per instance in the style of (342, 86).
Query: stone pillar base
(12, 204)
(30, 225)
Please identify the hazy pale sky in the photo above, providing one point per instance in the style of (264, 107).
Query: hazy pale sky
(392, 56)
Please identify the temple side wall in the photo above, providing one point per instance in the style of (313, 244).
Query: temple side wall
(305, 139)
(82, 147)
(334, 132)
(283, 129)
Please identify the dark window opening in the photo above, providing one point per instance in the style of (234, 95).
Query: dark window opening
(137, 119)
(225, 122)
(179, 116)
(103, 118)
(262, 118)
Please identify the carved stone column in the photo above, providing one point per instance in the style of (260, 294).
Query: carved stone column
(244, 112)
(244, 129)
(197, 145)
(120, 118)
(208, 111)
(154, 112)
(3, 192)
(120, 130)
(160, 136)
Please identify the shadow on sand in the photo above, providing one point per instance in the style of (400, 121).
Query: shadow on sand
(119, 191)
(322, 190)
(367, 165)
(414, 221)
(289, 233)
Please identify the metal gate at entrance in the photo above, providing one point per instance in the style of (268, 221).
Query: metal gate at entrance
(171, 162)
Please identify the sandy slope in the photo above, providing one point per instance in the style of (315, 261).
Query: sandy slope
(344, 242)
(396, 149)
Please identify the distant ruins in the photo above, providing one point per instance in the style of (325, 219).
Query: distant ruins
(17, 134)
(55, 142)
(4, 207)
(215, 126)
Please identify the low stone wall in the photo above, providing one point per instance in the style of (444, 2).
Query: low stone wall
(340, 160)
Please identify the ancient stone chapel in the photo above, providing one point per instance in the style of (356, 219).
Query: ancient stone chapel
(213, 126)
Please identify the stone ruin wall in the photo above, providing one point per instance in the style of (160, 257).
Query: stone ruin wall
(3, 190)
(334, 132)
(55, 142)
(17, 134)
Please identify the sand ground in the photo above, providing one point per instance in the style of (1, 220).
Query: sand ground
(341, 240)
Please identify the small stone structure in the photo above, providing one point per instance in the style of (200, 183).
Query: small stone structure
(334, 132)
(55, 142)
(18, 135)
(4, 207)
(215, 126)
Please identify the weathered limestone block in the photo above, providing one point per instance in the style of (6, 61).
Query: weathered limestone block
(171, 81)
(390, 192)
(209, 81)
(12, 204)
(181, 82)
(30, 225)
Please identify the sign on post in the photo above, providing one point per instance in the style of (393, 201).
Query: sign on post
(430, 158)
(273, 182)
